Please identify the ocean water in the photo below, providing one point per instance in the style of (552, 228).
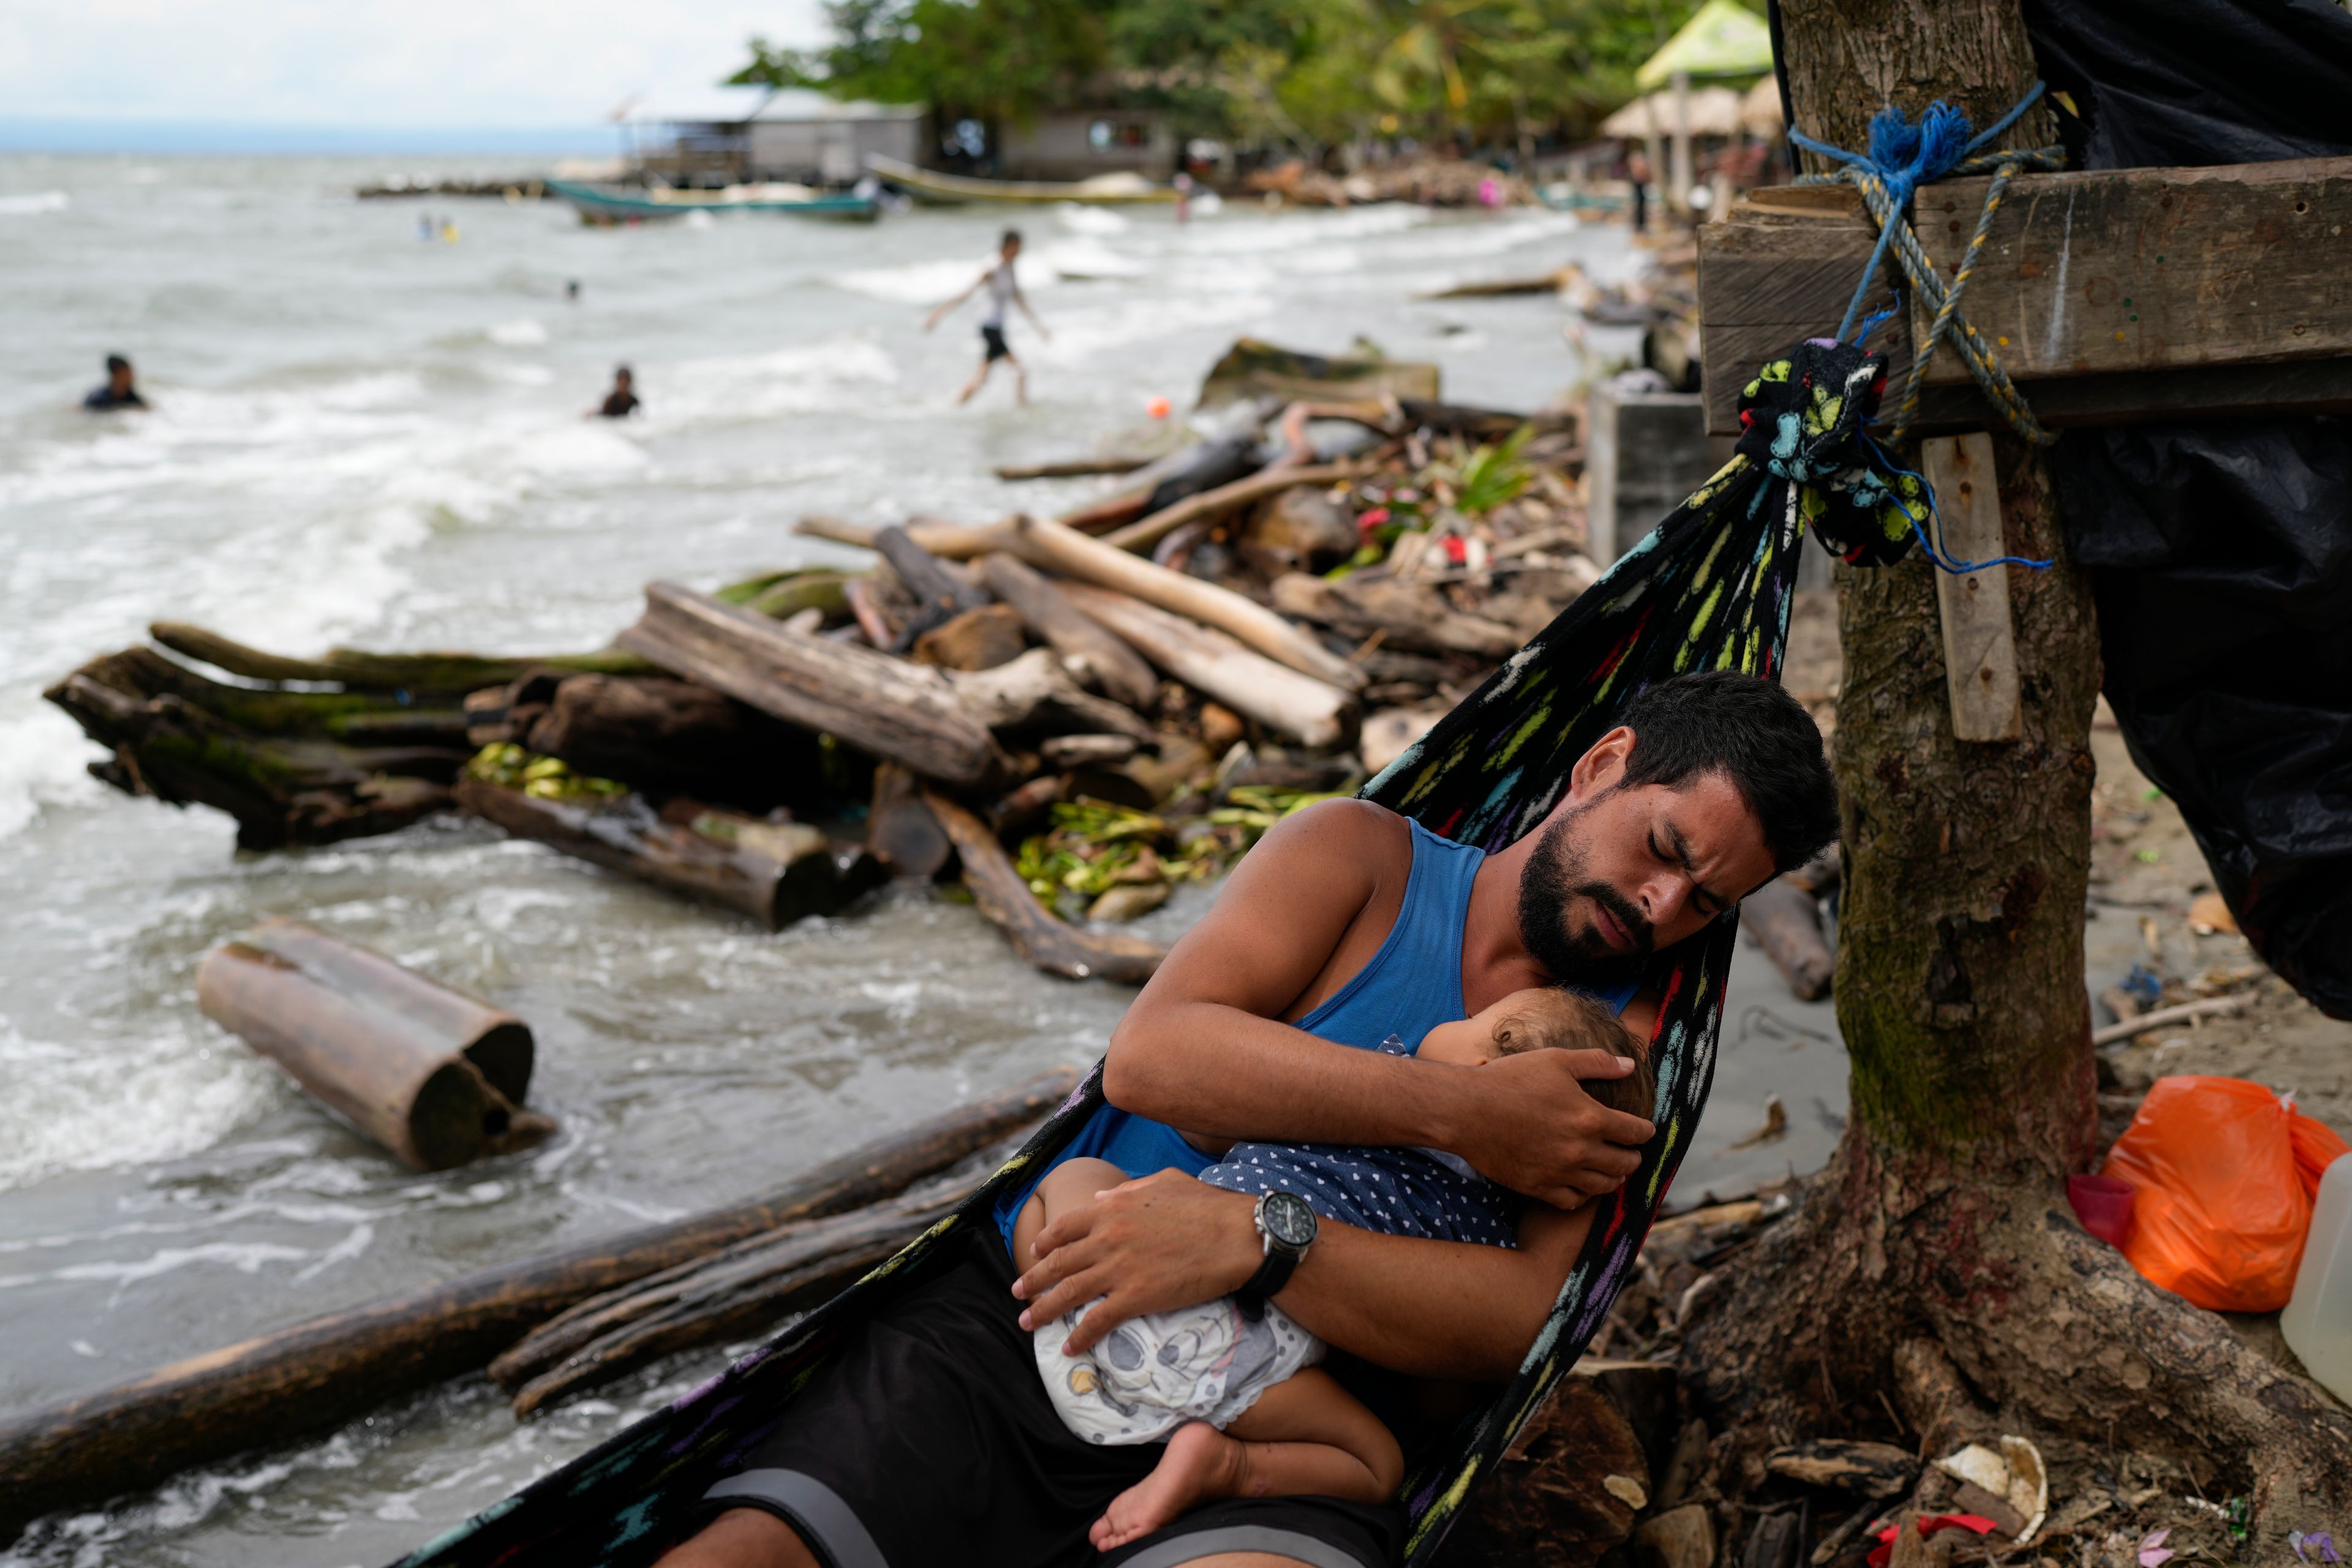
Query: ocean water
(360, 435)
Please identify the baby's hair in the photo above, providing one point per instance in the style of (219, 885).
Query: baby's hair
(1562, 1020)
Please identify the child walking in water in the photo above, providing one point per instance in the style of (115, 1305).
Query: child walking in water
(1231, 1384)
(1002, 288)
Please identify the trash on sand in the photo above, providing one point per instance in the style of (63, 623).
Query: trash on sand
(2015, 1475)
(2227, 1173)
(1775, 1128)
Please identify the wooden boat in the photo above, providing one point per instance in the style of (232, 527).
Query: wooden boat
(620, 204)
(930, 186)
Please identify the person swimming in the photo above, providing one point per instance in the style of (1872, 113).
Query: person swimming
(120, 390)
(622, 401)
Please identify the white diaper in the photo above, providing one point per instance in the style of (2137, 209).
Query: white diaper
(1151, 1374)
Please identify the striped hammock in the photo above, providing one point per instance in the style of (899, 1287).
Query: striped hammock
(1710, 588)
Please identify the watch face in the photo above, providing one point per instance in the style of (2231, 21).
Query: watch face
(1289, 1219)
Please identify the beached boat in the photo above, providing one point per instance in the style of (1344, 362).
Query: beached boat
(619, 204)
(929, 186)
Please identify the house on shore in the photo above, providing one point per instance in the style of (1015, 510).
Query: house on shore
(1076, 143)
(741, 135)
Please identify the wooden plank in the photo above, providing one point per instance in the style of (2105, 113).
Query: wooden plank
(2209, 341)
(1979, 636)
(2140, 270)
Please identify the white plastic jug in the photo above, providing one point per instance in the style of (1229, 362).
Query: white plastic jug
(2317, 1322)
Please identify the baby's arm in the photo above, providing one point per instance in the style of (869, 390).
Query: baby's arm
(1072, 1184)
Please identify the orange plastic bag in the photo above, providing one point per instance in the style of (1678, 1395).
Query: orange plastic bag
(2226, 1174)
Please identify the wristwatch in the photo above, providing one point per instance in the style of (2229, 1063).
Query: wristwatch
(1287, 1226)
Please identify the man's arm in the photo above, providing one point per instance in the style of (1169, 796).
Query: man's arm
(1427, 1308)
(1200, 1049)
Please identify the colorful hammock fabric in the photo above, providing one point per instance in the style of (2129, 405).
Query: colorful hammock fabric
(1711, 588)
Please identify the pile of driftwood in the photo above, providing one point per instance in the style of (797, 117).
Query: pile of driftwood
(1074, 713)
(1430, 181)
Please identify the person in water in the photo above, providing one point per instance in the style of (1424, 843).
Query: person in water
(1003, 289)
(622, 401)
(928, 1436)
(120, 390)
(1231, 1388)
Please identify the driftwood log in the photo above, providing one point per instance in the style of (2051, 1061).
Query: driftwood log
(421, 675)
(670, 736)
(1036, 695)
(776, 872)
(1783, 920)
(905, 712)
(1070, 467)
(1073, 554)
(1045, 942)
(948, 540)
(1089, 648)
(940, 595)
(1148, 531)
(79, 1452)
(281, 791)
(741, 1291)
(435, 1076)
(1300, 706)
(1406, 615)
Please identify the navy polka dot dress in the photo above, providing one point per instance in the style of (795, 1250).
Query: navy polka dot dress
(1397, 1192)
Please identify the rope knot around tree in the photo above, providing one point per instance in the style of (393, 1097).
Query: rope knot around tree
(1903, 156)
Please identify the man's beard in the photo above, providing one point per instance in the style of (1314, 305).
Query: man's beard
(1555, 873)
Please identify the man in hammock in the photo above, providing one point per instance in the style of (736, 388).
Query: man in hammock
(928, 1437)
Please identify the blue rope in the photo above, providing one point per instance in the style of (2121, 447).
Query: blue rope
(1904, 157)
(1956, 567)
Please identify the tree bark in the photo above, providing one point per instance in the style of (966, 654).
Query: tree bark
(83, 1450)
(1940, 1229)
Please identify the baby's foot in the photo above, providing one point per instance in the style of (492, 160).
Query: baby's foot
(1201, 1465)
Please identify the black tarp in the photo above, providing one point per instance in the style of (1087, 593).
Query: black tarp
(2221, 550)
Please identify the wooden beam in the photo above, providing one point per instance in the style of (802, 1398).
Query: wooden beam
(2220, 283)
(2144, 269)
(1979, 637)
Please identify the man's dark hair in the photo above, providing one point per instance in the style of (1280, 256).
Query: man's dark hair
(1749, 729)
(115, 363)
(621, 370)
(1011, 236)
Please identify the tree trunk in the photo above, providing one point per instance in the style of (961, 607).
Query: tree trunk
(1939, 1237)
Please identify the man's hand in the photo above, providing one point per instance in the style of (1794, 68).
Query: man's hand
(1530, 1126)
(1153, 1245)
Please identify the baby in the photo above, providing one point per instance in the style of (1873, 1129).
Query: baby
(1236, 1393)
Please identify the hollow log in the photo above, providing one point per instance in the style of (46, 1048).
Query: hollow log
(672, 736)
(1035, 695)
(893, 710)
(81, 1451)
(900, 829)
(1048, 943)
(1089, 648)
(433, 1074)
(1406, 615)
(1148, 531)
(1297, 705)
(1786, 924)
(737, 1292)
(281, 791)
(418, 674)
(1090, 560)
(776, 872)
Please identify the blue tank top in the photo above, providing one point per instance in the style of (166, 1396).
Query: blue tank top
(1412, 984)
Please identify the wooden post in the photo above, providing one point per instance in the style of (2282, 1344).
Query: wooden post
(433, 1074)
(1979, 636)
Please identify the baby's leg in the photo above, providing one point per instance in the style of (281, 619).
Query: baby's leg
(1072, 1184)
(1306, 1436)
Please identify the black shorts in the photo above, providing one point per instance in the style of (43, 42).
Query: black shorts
(994, 338)
(929, 1439)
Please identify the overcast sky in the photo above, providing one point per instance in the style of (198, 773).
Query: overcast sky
(406, 63)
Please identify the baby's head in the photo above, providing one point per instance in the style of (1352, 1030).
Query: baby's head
(1549, 1018)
